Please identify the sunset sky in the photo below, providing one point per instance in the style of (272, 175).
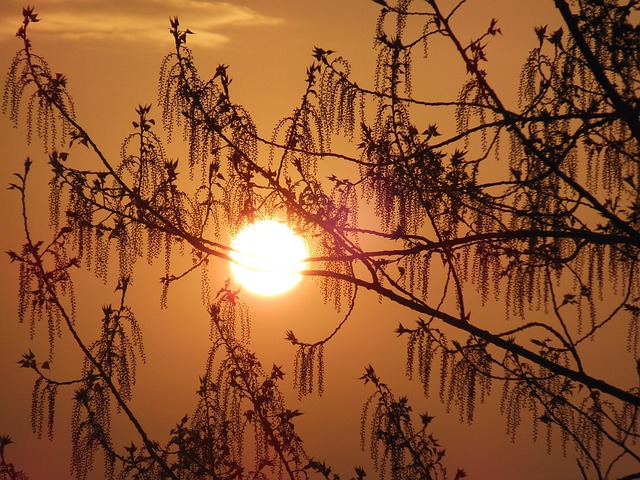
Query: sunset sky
(111, 52)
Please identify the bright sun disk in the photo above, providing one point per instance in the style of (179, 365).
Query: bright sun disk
(268, 257)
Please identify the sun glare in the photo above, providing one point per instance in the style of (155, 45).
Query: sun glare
(268, 258)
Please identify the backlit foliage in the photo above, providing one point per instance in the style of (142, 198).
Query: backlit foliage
(531, 212)
(396, 447)
(42, 114)
(7, 470)
(240, 379)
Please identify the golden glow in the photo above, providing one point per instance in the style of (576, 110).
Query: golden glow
(268, 257)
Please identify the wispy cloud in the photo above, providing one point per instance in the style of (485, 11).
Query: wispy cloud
(135, 20)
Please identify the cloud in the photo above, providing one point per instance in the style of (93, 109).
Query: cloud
(136, 20)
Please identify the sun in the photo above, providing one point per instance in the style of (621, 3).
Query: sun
(268, 257)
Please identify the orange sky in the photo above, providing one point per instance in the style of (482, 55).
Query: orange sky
(111, 52)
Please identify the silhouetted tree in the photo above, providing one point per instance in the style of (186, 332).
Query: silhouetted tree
(7, 470)
(537, 208)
